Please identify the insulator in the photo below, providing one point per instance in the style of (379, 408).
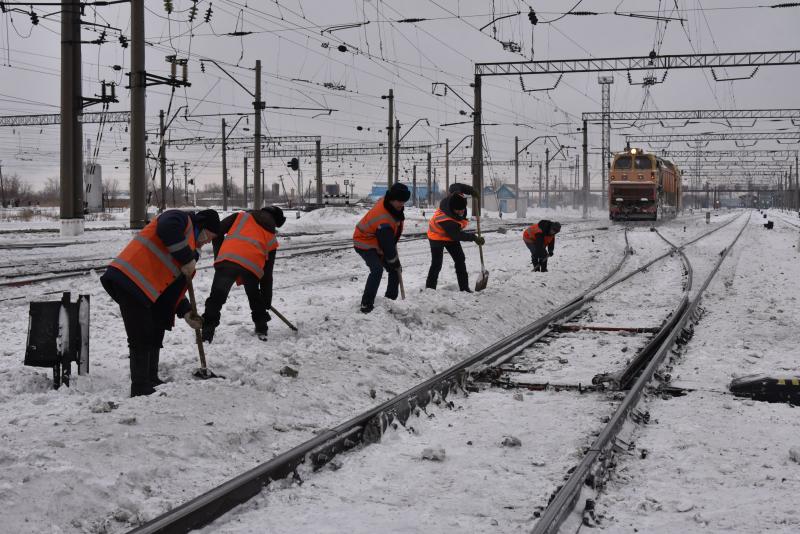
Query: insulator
(185, 71)
(193, 13)
(172, 68)
(208, 13)
(34, 18)
(168, 6)
(123, 41)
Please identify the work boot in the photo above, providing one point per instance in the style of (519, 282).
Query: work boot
(366, 308)
(465, 290)
(140, 368)
(261, 330)
(208, 331)
(152, 374)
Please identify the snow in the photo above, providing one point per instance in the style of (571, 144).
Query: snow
(89, 459)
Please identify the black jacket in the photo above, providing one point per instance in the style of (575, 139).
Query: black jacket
(170, 227)
(387, 239)
(453, 229)
(265, 221)
(538, 248)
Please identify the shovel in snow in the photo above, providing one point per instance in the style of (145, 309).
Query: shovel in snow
(284, 319)
(202, 372)
(483, 278)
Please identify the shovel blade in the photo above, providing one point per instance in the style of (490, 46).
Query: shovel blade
(203, 373)
(483, 279)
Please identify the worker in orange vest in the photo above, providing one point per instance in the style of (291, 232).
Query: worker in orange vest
(446, 231)
(148, 280)
(244, 253)
(375, 240)
(540, 238)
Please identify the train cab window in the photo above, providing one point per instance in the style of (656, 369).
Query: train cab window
(622, 163)
(644, 162)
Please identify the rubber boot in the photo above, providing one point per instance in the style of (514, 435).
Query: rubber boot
(152, 366)
(262, 329)
(140, 369)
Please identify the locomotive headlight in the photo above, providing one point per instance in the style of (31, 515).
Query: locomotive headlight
(633, 151)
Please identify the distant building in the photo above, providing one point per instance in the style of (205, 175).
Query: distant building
(504, 199)
(379, 190)
(332, 189)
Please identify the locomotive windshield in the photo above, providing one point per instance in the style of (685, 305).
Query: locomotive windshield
(641, 162)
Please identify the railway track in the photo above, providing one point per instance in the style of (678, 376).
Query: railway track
(369, 426)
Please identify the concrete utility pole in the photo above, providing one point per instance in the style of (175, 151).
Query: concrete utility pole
(429, 200)
(796, 184)
(477, 149)
(585, 171)
(71, 160)
(162, 161)
(2, 187)
(138, 150)
(516, 174)
(319, 171)
(185, 183)
(390, 132)
(540, 180)
(446, 165)
(224, 169)
(414, 187)
(257, 106)
(396, 151)
(546, 178)
(244, 189)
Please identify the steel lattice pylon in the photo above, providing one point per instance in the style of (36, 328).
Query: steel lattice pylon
(605, 131)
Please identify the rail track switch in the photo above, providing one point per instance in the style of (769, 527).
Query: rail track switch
(58, 334)
(767, 388)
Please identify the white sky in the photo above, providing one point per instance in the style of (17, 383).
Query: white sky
(288, 37)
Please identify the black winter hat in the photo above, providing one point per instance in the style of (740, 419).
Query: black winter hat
(277, 215)
(398, 191)
(207, 220)
(458, 202)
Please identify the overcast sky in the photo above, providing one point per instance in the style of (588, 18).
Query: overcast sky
(299, 52)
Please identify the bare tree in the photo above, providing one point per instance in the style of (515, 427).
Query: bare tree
(111, 189)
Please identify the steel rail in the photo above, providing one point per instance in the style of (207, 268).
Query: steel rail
(365, 429)
(563, 503)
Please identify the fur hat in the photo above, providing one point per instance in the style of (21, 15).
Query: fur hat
(458, 202)
(207, 220)
(277, 215)
(398, 191)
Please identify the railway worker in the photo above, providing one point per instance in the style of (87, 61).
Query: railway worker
(244, 253)
(148, 280)
(375, 240)
(540, 238)
(446, 231)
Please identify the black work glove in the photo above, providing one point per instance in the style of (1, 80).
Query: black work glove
(479, 240)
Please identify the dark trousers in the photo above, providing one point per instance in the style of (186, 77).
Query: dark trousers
(225, 275)
(145, 337)
(538, 258)
(376, 266)
(437, 255)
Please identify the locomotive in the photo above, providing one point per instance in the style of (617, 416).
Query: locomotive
(643, 186)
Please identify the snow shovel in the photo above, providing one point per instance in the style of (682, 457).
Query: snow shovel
(284, 319)
(402, 288)
(483, 279)
(202, 372)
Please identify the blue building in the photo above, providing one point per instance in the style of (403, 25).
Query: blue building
(504, 199)
(379, 190)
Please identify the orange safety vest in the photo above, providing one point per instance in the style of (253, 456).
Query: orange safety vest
(247, 244)
(530, 233)
(364, 237)
(147, 261)
(436, 232)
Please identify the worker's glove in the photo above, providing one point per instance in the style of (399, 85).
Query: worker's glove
(193, 320)
(479, 240)
(550, 254)
(189, 268)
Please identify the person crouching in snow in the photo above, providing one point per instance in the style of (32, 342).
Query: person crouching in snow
(244, 253)
(375, 239)
(540, 238)
(149, 279)
(446, 231)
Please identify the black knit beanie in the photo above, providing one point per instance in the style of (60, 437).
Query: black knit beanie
(277, 215)
(458, 202)
(207, 220)
(398, 191)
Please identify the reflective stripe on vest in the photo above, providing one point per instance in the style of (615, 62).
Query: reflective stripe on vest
(364, 236)
(247, 244)
(435, 230)
(147, 261)
(530, 233)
